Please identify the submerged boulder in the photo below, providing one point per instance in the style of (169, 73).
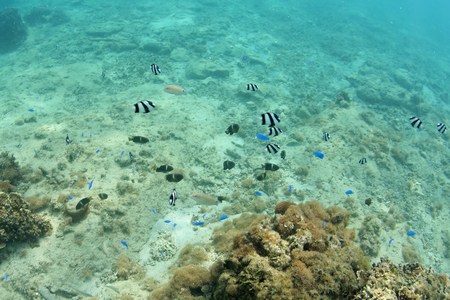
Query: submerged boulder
(12, 29)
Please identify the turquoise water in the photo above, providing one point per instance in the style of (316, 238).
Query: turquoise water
(356, 70)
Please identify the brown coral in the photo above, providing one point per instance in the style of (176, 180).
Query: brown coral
(17, 222)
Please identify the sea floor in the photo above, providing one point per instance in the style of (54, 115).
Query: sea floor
(82, 76)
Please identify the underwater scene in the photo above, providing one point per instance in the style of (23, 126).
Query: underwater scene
(224, 149)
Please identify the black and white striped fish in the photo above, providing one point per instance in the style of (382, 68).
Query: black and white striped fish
(269, 119)
(272, 148)
(252, 87)
(155, 69)
(325, 136)
(173, 197)
(415, 122)
(441, 127)
(274, 131)
(363, 161)
(143, 106)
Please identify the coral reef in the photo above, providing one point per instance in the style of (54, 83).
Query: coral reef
(17, 222)
(304, 252)
(9, 169)
(12, 29)
(411, 281)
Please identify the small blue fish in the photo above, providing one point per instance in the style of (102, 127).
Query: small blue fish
(90, 184)
(6, 277)
(174, 225)
(319, 154)
(70, 197)
(82, 134)
(258, 193)
(31, 110)
(390, 241)
(204, 216)
(198, 223)
(348, 192)
(291, 188)
(411, 233)
(122, 152)
(324, 223)
(262, 137)
(97, 151)
(154, 211)
(124, 243)
(223, 217)
(167, 221)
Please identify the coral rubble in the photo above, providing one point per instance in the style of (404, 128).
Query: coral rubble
(17, 222)
(12, 29)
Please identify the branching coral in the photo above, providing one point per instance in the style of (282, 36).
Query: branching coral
(17, 222)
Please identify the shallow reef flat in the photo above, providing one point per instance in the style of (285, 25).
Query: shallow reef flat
(77, 158)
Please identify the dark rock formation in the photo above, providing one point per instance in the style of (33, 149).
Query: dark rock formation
(12, 29)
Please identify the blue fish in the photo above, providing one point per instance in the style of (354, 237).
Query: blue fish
(319, 154)
(198, 223)
(31, 110)
(411, 233)
(154, 211)
(90, 184)
(97, 151)
(174, 225)
(348, 192)
(262, 137)
(223, 217)
(258, 193)
(124, 243)
(70, 197)
(390, 241)
(291, 188)
(167, 221)
(122, 152)
(324, 223)
(82, 134)
(6, 277)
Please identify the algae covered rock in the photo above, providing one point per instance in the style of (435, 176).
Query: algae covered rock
(411, 281)
(17, 222)
(303, 252)
(12, 29)
(9, 169)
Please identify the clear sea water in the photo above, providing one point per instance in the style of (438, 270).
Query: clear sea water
(355, 69)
